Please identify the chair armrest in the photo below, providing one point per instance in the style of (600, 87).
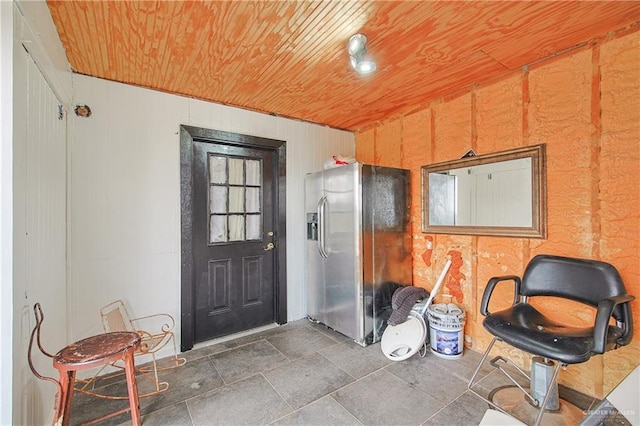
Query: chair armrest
(168, 321)
(151, 343)
(603, 315)
(488, 291)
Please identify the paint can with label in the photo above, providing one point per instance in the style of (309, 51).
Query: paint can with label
(446, 330)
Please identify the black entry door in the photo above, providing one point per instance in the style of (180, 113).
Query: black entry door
(232, 239)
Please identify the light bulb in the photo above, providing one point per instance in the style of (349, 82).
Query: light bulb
(365, 67)
(354, 62)
(356, 44)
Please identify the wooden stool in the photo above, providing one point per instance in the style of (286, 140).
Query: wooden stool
(92, 352)
(88, 353)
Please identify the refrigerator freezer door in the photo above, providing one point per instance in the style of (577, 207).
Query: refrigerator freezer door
(342, 239)
(314, 192)
(387, 242)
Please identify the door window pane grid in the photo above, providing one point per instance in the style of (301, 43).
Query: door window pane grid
(217, 169)
(235, 199)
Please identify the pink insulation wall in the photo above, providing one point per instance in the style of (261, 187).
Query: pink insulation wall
(586, 107)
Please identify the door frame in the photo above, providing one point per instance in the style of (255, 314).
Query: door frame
(189, 135)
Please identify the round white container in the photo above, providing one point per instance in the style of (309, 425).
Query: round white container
(446, 330)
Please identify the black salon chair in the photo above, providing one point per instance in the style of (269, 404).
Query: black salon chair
(554, 345)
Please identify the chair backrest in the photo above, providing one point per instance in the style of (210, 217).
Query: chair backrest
(115, 317)
(35, 338)
(582, 280)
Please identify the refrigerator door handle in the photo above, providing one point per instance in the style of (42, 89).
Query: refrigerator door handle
(319, 210)
(321, 227)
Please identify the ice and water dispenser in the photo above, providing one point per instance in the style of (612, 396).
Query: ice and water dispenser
(312, 226)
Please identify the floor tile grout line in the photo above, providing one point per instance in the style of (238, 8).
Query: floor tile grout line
(263, 337)
(327, 334)
(334, 364)
(280, 395)
(336, 342)
(193, 422)
(444, 407)
(226, 385)
(346, 409)
(213, 364)
(444, 404)
(210, 391)
(286, 359)
(398, 378)
(355, 380)
(240, 346)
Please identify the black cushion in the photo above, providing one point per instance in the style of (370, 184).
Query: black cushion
(526, 328)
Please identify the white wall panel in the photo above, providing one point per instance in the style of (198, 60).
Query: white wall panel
(125, 195)
(39, 239)
(6, 212)
(40, 37)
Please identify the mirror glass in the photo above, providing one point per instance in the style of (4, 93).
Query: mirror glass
(495, 194)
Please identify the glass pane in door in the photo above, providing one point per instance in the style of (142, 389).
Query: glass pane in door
(218, 199)
(235, 199)
(252, 200)
(218, 229)
(217, 170)
(254, 225)
(254, 177)
(236, 171)
(236, 227)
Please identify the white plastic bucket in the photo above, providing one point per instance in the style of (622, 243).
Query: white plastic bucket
(446, 330)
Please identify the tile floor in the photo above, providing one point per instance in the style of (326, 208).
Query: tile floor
(305, 374)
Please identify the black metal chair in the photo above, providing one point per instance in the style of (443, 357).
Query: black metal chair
(554, 344)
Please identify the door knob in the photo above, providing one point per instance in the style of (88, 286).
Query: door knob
(269, 247)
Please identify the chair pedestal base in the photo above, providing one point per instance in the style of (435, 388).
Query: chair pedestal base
(518, 399)
(542, 383)
(512, 400)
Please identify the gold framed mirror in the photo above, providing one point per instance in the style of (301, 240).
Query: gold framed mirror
(501, 194)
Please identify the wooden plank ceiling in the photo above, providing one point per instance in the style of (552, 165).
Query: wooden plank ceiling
(289, 58)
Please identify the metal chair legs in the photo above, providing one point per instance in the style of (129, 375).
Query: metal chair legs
(531, 395)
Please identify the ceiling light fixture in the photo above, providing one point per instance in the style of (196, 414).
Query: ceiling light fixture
(357, 49)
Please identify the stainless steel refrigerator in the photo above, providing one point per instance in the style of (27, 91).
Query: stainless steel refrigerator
(358, 247)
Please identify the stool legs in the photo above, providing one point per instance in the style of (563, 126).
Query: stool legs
(67, 381)
(132, 388)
